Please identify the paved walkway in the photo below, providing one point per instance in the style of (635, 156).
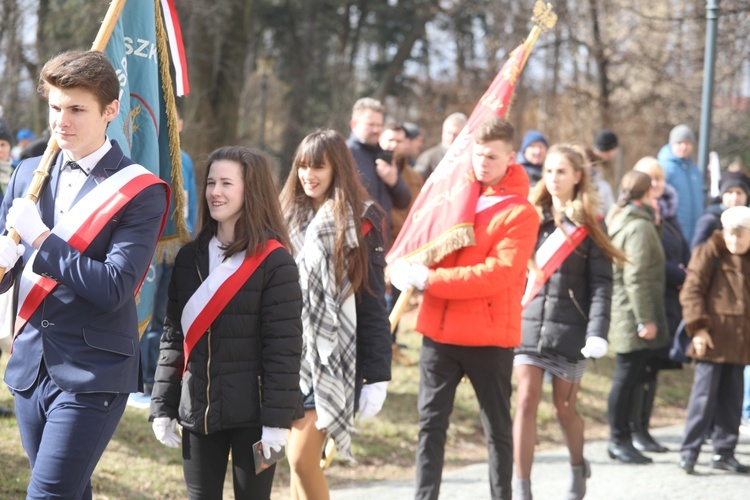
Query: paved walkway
(610, 480)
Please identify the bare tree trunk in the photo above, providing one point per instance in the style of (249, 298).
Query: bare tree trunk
(602, 65)
(299, 94)
(217, 72)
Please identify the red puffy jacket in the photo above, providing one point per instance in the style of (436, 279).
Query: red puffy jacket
(474, 294)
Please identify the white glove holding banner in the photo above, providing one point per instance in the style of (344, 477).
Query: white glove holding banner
(595, 347)
(165, 430)
(405, 275)
(371, 399)
(10, 252)
(23, 216)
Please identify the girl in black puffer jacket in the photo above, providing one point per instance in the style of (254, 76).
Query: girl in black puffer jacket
(566, 315)
(230, 353)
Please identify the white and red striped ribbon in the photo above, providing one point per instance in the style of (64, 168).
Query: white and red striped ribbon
(212, 296)
(551, 254)
(79, 227)
(176, 47)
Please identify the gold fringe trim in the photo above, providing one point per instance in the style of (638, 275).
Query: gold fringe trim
(459, 236)
(167, 248)
(143, 325)
(178, 193)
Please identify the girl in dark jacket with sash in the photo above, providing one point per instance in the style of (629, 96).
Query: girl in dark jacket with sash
(566, 316)
(239, 381)
(338, 244)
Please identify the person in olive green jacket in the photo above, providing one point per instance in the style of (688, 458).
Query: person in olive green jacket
(639, 322)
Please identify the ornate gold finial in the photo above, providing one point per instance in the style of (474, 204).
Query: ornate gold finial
(543, 15)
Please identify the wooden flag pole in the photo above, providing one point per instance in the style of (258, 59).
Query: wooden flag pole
(399, 307)
(41, 174)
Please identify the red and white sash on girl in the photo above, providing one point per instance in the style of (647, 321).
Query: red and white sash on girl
(80, 226)
(207, 302)
(553, 252)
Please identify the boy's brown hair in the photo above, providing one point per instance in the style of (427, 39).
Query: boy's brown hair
(88, 70)
(496, 128)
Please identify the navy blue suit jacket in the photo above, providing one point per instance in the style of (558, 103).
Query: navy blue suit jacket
(86, 330)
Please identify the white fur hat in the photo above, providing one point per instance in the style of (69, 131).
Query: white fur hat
(736, 217)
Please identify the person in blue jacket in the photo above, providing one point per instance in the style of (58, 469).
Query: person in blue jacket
(683, 175)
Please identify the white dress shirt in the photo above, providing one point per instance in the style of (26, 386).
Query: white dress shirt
(215, 254)
(71, 180)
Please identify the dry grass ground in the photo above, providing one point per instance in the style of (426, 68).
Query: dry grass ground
(136, 466)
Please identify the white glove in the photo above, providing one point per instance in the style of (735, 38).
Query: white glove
(405, 275)
(273, 438)
(371, 399)
(595, 347)
(165, 431)
(10, 252)
(24, 217)
(419, 274)
(399, 272)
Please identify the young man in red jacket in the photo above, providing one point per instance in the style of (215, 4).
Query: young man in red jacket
(471, 313)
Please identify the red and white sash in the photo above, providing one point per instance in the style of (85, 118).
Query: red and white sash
(80, 226)
(489, 206)
(223, 283)
(550, 255)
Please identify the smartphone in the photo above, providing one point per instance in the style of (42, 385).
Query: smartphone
(261, 462)
(386, 156)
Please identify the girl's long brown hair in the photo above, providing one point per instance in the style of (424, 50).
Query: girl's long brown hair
(261, 217)
(347, 192)
(584, 192)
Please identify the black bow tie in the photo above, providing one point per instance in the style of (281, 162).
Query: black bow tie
(72, 166)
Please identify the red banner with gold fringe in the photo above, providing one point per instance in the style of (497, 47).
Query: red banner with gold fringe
(442, 217)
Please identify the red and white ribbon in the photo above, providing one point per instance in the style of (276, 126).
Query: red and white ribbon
(212, 296)
(79, 227)
(176, 47)
(551, 254)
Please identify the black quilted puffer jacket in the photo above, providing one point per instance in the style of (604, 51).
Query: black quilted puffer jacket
(573, 305)
(245, 370)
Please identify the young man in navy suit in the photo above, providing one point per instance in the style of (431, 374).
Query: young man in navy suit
(85, 249)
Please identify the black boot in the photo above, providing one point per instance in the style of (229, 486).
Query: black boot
(642, 439)
(626, 453)
(636, 411)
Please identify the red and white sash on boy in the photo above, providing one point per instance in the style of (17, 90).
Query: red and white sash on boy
(550, 255)
(80, 226)
(223, 283)
(489, 206)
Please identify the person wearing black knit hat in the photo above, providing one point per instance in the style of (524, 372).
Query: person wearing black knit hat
(600, 155)
(735, 192)
(606, 144)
